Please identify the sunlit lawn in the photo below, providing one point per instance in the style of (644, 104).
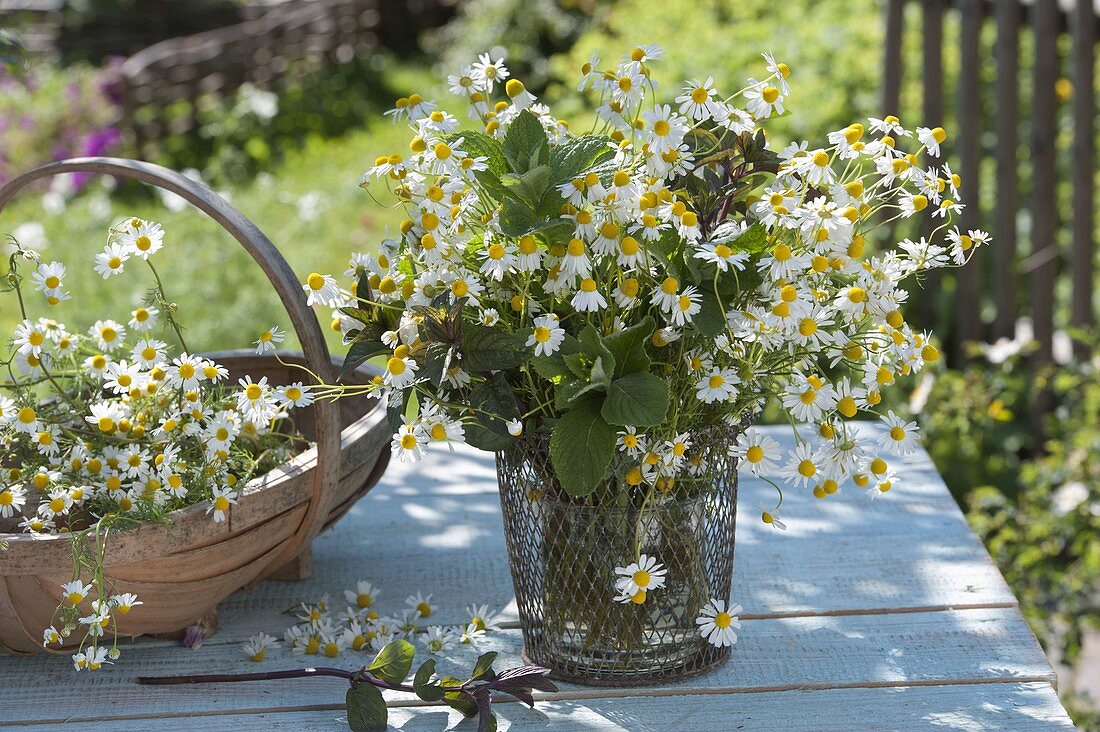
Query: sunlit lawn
(224, 298)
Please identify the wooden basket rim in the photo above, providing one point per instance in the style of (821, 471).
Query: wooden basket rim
(326, 470)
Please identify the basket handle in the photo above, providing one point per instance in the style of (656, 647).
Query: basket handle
(279, 273)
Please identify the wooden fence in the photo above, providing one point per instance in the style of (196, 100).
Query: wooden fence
(1061, 243)
(163, 84)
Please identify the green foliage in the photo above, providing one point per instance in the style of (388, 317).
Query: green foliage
(832, 48)
(253, 130)
(581, 447)
(366, 708)
(473, 697)
(527, 32)
(1034, 505)
(393, 662)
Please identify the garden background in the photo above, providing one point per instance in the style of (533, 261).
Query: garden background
(289, 151)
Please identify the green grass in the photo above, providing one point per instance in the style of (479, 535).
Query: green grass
(224, 298)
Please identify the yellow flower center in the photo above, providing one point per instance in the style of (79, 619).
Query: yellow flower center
(897, 434)
(26, 415)
(221, 503)
(807, 327)
(847, 406)
(588, 285)
(716, 381)
(807, 469)
(770, 94)
(723, 620)
(670, 286)
(396, 366)
(408, 441)
(143, 243)
(699, 95)
(52, 282)
(253, 391)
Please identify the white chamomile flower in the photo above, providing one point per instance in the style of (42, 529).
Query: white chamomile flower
(112, 260)
(721, 256)
(901, 437)
(256, 646)
(515, 427)
(363, 596)
(547, 335)
(700, 100)
(932, 139)
(636, 580)
(29, 338)
(48, 277)
(630, 442)
(409, 443)
(420, 604)
(770, 516)
(91, 659)
(720, 385)
(125, 602)
(269, 340)
(222, 499)
(756, 452)
(75, 592)
(108, 334)
(143, 240)
(323, 290)
(295, 395)
(718, 624)
(12, 500)
(483, 618)
(437, 639)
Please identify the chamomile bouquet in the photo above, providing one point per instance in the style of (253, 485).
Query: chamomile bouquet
(663, 271)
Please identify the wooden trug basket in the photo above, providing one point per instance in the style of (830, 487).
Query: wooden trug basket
(182, 571)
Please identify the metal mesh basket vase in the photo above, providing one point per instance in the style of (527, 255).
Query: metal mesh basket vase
(563, 552)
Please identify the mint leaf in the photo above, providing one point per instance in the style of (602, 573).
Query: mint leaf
(754, 239)
(639, 399)
(366, 708)
(581, 447)
(393, 662)
(572, 158)
(711, 319)
(480, 145)
(525, 144)
(628, 347)
(492, 349)
(422, 682)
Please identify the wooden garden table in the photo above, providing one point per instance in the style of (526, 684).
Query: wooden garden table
(863, 615)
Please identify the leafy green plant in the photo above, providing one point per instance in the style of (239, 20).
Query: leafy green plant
(367, 711)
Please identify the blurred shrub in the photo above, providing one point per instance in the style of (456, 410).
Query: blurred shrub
(1046, 537)
(834, 50)
(48, 114)
(253, 130)
(1036, 510)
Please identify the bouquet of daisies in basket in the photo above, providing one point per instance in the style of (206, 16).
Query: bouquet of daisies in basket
(110, 427)
(618, 289)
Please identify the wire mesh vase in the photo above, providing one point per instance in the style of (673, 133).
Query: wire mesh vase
(563, 552)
